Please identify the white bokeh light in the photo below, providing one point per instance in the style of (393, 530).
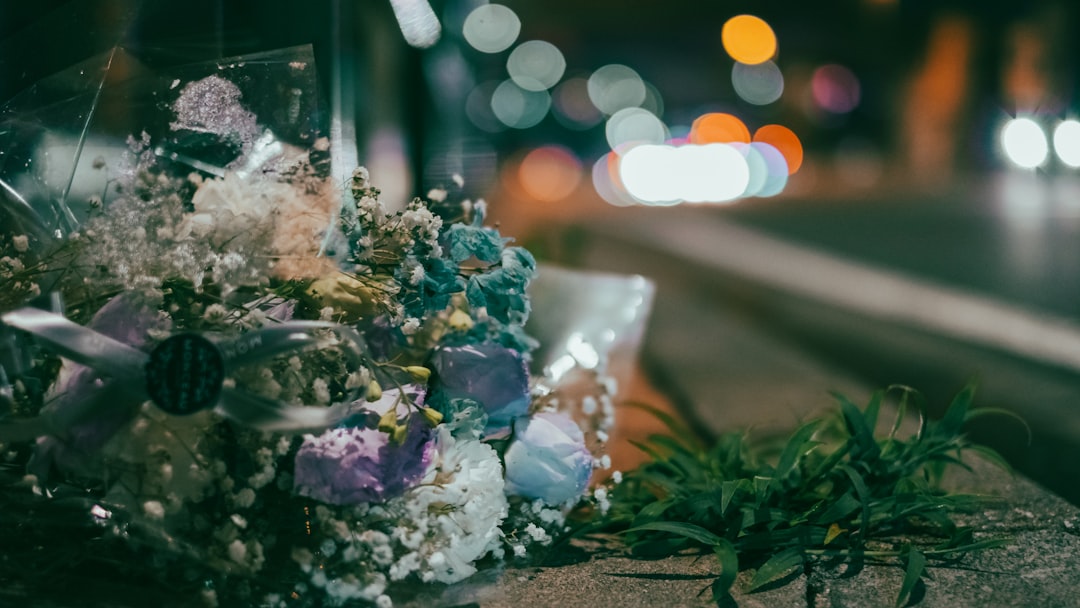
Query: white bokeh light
(660, 174)
(515, 107)
(755, 163)
(776, 169)
(614, 87)
(1024, 143)
(491, 28)
(1067, 142)
(634, 126)
(536, 65)
(607, 187)
(759, 84)
(641, 170)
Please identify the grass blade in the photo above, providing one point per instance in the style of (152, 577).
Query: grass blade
(796, 447)
(691, 531)
(729, 570)
(916, 566)
(777, 567)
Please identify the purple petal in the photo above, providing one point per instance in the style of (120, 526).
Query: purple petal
(345, 466)
(491, 374)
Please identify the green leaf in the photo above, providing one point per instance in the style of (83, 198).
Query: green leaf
(991, 455)
(864, 498)
(729, 570)
(690, 531)
(777, 567)
(644, 447)
(796, 447)
(872, 410)
(861, 433)
(653, 511)
(916, 566)
(728, 489)
(753, 517)
(906, 393)
(677, 428)
(761, 488)
(997, 411)
(957, 413)
(839, 509)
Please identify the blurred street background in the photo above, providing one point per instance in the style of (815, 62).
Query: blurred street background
(859, 192)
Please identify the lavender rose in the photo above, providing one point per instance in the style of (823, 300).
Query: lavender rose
(491, 374)
(354, 464)
(547, 459)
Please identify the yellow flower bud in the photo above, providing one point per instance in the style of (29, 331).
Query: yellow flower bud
(374, 391)
(399, 434)
(433, 416)
(388, 421)
(419, 372)
(460, 320)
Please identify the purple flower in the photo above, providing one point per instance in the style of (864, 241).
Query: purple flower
(351, 465)
(491, 374)
(547, 459)
(128, 318)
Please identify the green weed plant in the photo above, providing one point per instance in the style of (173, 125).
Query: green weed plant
(835, 490)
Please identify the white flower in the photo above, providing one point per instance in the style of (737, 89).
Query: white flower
(321, 390)
(416, 275)
(21, 243)
(456, 510)
(154, 509)
(410, 326)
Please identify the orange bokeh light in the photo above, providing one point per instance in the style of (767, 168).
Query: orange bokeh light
(748, 39)
(719, 128)
(784, 140)
(549, 173)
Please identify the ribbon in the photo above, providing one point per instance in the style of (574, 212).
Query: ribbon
(182, 375)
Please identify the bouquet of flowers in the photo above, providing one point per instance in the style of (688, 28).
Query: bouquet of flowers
(261, 386)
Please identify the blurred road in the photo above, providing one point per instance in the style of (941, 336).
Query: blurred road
(981, 283)
(1014, 236)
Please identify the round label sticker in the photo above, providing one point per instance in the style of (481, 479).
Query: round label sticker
(184, 374)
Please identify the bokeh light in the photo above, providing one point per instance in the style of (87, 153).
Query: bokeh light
(1024, 143)
(662, 174)
(515, 107)
(748, 39)
(835, 89)
(776, 169)
(605, 179)
(478, 108)
(573, 108)
(654, 101)
(755, 163)
(536, 65)
(1067, 142)
(784, 140)
(634, 126)
(718, 127)
(614, 87)
(549, 173)
(491, 28)
(759, 84)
